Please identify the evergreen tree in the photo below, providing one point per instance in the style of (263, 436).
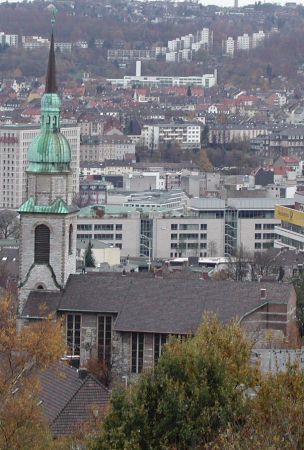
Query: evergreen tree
(89, 257)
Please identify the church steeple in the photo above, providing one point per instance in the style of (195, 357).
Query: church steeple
(48, 218)
(50, 84)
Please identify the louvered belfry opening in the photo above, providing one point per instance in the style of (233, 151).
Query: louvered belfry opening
(42, 244)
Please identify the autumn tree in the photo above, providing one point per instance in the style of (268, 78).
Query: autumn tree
(276, 416)
(23, 354)
(195, 391)
(204, 161)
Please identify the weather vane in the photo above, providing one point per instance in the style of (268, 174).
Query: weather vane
(53, 11)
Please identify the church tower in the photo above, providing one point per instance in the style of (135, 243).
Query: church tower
(48, 220)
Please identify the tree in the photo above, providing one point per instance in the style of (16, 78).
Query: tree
(89, 257)
(9, 224)
(239, 265)
(276, 417)
(189, 92)
(23, 354)
(204, 161)
(212, 248)
(196, 390)
(298, 283)
(263, 263)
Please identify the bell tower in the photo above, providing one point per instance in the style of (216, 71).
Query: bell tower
(48, 221)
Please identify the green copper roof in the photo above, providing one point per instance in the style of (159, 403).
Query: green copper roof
(57, 207)
(49, 152)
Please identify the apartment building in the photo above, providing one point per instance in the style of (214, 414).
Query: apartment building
(229, 46)
(31, 42)
(225, 134)
(243, 43)
(14, 144)
(110, 147)
(187, 135)
(9, 39)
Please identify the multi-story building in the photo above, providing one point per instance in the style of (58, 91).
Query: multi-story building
(258, 38)
(14, 143)
(130, 55)
(108, 147)
(225, 134)
(229, 46)
(187, 135)
(207, 80)
(243, 42)
(11, 39)
(31, 42)
(290, 231)
(64, 47)
(165, 228)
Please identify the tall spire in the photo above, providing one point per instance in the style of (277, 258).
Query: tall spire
(50, 84)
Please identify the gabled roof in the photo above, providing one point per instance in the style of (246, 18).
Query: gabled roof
(68, 401)
(172, 304)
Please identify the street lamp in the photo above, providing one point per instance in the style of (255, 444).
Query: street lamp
(148, 247)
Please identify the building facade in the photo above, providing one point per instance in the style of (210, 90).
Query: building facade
(14, 144)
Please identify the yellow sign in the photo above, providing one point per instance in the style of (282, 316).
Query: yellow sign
(289, 215)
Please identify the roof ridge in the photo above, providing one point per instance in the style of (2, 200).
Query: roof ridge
(89, 375)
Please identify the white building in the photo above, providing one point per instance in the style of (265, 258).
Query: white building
(207, 81)
(258, 38)
(14, 144)
(187, 135)
(290, 230)
(243, 42)
(31, 42)
(229, 46)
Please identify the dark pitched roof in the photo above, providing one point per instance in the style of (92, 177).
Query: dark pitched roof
(68, 401)
(58, 384)
(41, 303)
(90, 398)
(172, 304)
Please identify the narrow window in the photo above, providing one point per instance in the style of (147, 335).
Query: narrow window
(159, 342)
(42, 244)
(105, 339)
(73, 333)
(137, 352)
(71, 239)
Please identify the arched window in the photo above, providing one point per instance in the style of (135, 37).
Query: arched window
(71, 240)
(42, 244)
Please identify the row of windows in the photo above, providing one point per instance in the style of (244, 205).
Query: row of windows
(103, 227)
(187, 236)
(104, 341)
(190, 226)
(265, 236)
(259, 245)
(265, 226)
(190, 245)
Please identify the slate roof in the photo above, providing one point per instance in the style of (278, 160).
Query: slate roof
(172, 304)
(68, 401)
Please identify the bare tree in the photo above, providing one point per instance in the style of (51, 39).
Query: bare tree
(263, 263)
(212, 248)
(9, 224)
(239, 266)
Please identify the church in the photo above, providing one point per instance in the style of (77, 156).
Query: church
(122, 320)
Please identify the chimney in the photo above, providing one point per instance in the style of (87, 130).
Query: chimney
(82, 373)
(263, 293)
